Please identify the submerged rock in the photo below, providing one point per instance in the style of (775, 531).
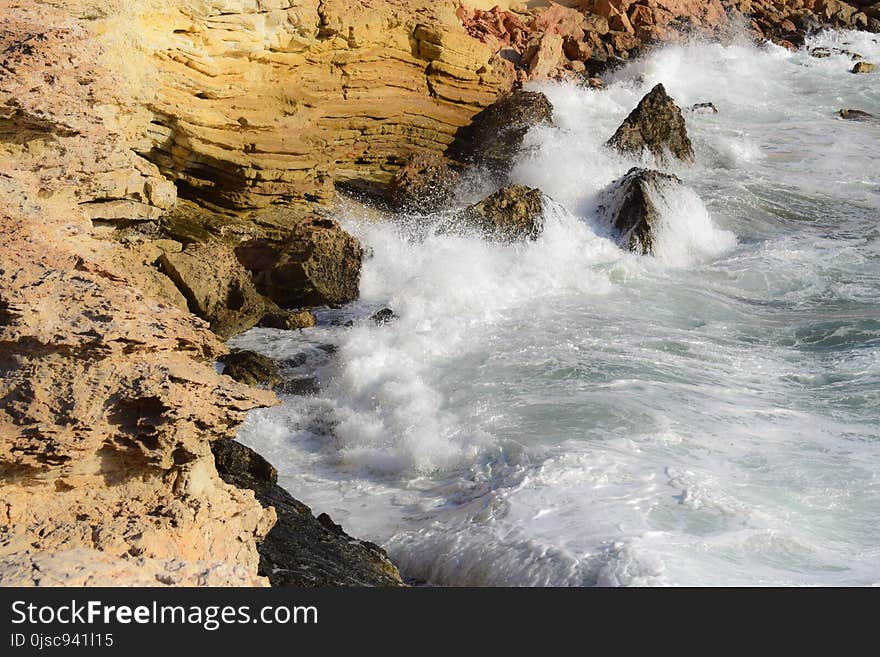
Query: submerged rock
(383, 316)
(862, 67)
(252, 368)
(216, 287)
(855, 115)
(301, 550)
(316, 264)
(705, 107)
(630, 210)
(495, 135)
(656, 125)
(424, 184)
(515, 212)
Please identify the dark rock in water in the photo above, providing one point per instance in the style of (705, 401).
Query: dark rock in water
(495, 135)
(629, 208)
(299, 387)
(301, 550)
(862, 67)
(317, 264)
(855, 115)
(216, 287)
(821, 52)
(424, 184)
(512, 213)
(704, 107)
(383, 316)
(656, 124)
(251, 368)
(288, 320)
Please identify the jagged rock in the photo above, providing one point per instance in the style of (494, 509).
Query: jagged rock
(628, 206)
(494, 137)
(301, 550)
(252, 369)
(300, 387)
(216, 286)
(862, 67)
(317, 264)
(424, 184)
(383, 316)
(288, 320)
(655, 125)
(512, 213)
(704, 107)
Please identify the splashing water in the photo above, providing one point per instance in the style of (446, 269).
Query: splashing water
(561, 412)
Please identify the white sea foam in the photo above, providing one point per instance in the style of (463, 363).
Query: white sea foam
(560, 412)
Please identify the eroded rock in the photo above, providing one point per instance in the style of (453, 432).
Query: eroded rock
(317, 264)
(288, 320)
(657, 126)
(252, 369)
(217, 288)
(629, 207)
(495, 135)
(512, 213)
(424, 184)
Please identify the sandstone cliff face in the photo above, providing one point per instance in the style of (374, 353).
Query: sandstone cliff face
(109, 396)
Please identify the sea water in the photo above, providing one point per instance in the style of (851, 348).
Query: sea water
(561, 412)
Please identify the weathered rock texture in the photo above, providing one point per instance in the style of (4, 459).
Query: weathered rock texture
(630, 207)
(657, 126)
(425, 183)
(110, 112)
(302, 550)
(512, 213)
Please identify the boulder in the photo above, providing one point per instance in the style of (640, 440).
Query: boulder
(252, 369)
(288, 320)
(512, 213)
(495, 135)
(629, 208)
(862, 67)
(424, 184)
(301, 550)
(383, 316)
(316, 264)
(216, 287)
(655, 125)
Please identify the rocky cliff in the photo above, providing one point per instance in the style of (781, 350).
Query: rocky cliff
(142, 144)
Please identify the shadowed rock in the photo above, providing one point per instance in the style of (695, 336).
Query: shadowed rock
(655, 125)
(424, 184)
(317, 264)
(706, 108)
(515, 212)
(252, 368)
(629, 207)
(216, 287)
(495, 135)
(301, 550)
(288, 320)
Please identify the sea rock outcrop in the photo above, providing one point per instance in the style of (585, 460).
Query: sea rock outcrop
(512, 213)
(629, 205)
(251, 368)
(424, 184)
(301, 550)
(495, 135)
(317, 263)
(855, 115)
(657, 126)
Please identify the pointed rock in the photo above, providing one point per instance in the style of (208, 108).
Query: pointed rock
(629, 207)
(657, 125)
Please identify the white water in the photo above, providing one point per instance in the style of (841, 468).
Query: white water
(564, 413)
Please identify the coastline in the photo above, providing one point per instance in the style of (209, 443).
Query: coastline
(124, 210)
